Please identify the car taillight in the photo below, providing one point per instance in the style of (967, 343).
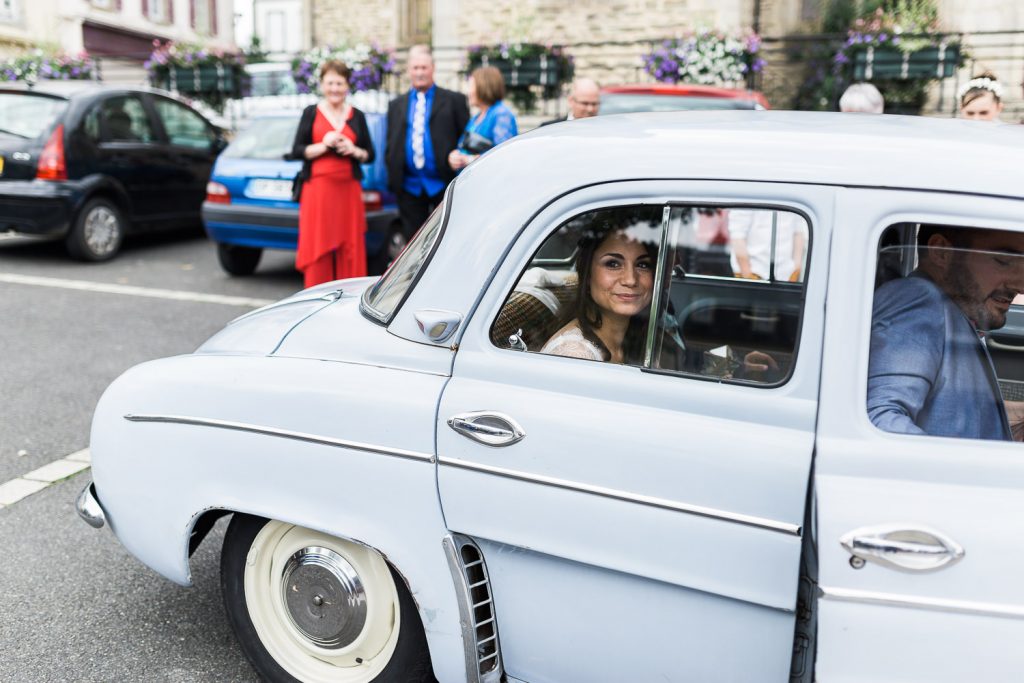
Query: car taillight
(372, 201)
(51, 161)
(217, 193)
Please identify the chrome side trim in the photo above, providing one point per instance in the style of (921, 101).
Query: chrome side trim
(986, 609)
(88, 507)
(474, 656)
(284, 434)
(650, 501)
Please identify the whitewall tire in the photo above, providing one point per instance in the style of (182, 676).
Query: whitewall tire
(310, 607)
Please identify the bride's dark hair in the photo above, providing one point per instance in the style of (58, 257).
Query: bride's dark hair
(586, 311)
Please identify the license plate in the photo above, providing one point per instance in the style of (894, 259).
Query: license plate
(262, 188)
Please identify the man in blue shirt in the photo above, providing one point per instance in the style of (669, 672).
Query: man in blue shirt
(930, 371)
(424, 126)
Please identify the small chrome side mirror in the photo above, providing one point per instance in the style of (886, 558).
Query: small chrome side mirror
(437, 326)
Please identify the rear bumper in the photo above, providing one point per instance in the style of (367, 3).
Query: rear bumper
(271, 228)
(88, 507)
(38, 207)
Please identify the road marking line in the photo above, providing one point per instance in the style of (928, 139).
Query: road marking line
(132, 290)
(16, 489)
(55, 471)
(40, 478)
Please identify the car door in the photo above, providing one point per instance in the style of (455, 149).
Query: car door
(918, 535)
(119, 142)
(190, 151)
(643, 521)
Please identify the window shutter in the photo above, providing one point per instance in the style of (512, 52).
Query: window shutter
(213, 17)
(170, 11)
(117, 5)
(145, 7)
(192, 13)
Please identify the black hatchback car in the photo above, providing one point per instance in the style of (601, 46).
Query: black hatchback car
(90, 164)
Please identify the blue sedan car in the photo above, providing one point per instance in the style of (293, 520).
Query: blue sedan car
(248, 205)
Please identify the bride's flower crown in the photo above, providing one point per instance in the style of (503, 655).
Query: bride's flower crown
(983, 83)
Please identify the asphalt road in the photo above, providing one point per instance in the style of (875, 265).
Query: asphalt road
(74, 606)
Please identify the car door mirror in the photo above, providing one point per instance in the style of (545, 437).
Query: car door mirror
(219, 144)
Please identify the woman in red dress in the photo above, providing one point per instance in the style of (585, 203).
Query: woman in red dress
(334, 141)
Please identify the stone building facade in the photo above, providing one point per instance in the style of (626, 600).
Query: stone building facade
(607, 37)
(119, 33)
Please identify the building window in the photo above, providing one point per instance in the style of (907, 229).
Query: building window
(159, 11)
(9, 10)
(204, 16)
(415, 21)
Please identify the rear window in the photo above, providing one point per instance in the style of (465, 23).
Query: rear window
(621, 103)
(28, 116)
(267, 138)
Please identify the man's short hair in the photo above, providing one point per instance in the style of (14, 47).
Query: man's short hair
(959, 238)
(421, 49)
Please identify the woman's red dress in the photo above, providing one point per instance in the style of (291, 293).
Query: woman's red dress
(332, 220)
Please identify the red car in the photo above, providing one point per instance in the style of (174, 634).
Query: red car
(624, 99)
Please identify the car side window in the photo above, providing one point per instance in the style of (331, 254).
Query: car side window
(947, 333)
(710, 291)
(184, 127)
(118, 119)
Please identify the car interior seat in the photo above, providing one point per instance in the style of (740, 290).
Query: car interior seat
(540, 304)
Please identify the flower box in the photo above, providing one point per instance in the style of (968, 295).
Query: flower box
(878, 62)
(527, 71)
(203, 79)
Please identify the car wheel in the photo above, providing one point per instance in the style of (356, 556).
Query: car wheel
(310, 607)
(97, 231)
(238, 260)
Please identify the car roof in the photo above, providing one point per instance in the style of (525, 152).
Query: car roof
(685, 89)
(866, 150)
(79, 88)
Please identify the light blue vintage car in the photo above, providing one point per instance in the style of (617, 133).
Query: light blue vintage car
(436, 474)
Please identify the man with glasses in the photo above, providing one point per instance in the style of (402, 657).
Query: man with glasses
(584, 101)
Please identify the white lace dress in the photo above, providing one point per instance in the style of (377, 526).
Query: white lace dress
(572, 343)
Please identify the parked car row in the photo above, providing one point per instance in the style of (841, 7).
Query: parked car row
(92, 164)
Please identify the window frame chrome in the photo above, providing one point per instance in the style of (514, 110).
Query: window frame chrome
(384, 319)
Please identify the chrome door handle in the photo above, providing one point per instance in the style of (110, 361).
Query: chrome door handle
(487, 427)
(906, 547)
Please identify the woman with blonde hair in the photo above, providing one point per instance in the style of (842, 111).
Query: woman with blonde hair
(493, 123)
(333, 141)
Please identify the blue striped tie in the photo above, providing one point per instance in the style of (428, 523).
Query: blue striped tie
(419, 119)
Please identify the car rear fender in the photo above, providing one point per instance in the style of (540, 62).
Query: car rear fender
(340, 448)
(103, 186)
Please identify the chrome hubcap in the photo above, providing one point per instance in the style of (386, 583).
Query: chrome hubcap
(324, 597)
(101, 230)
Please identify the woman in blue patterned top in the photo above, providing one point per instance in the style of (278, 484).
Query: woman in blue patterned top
(494, 122)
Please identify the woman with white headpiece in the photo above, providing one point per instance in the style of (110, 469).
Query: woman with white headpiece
(981, 98)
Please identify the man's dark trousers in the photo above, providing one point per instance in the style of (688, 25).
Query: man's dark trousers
(415, 210)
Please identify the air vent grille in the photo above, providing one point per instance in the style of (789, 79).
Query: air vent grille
(480, 627)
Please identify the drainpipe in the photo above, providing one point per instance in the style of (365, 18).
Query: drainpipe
(757, 17)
